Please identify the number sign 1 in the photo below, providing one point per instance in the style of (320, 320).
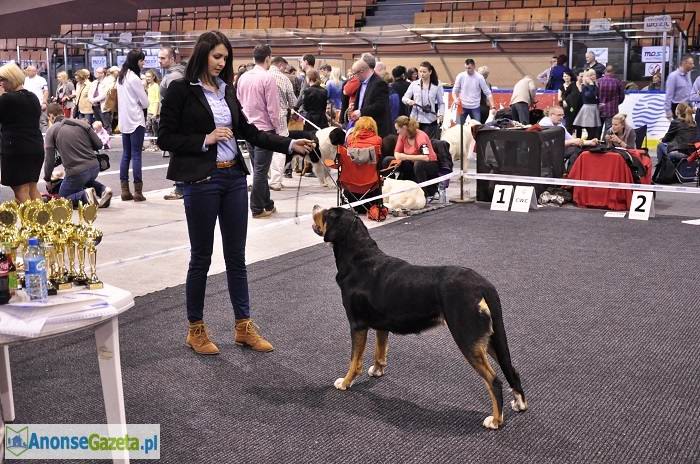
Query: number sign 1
(642, 205)
(501, 197)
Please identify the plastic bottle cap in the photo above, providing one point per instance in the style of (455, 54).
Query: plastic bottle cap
(33, 241)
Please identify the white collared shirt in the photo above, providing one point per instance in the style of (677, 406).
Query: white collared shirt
(132, 99)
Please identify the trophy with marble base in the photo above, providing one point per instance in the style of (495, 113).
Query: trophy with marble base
(91, 237)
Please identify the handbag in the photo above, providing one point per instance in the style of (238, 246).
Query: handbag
(103, 160)
(111, 102)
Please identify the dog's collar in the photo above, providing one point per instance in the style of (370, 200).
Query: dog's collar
(354, 219)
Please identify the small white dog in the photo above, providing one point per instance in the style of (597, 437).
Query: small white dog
(411, 199)
(451, 136)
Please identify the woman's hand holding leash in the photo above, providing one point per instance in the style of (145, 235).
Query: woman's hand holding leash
(303, 146)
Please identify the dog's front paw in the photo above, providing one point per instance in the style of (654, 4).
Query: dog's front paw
(375, 371)
(491, 423)
(341, 385)
(519, 404)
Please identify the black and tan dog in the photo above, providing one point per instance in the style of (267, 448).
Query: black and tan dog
(388, 294)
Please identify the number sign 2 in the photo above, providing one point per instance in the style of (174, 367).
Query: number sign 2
(642, 205)
(501, 197)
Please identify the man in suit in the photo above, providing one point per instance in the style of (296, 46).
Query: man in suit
(372, 98)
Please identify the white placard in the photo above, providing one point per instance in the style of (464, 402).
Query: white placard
(125, 37)
(654, 54)
(501, 197)
(661, 23)
(652, 68)
(120, 60)
(98, 62)
(598, 25)
(615, 214)
(151, 62)
(601, 54)
(642, 205)
(151, 37)
(100, 38)
(524, 199)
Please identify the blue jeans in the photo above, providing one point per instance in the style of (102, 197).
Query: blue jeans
(475, 114)
(223, 196)
(662, 150)
(133, 145)
(73, 187)
(260, 194)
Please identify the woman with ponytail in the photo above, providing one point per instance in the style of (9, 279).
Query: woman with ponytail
(681, 134)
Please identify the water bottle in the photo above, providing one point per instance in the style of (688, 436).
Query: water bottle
(35, 279)
(443, 193)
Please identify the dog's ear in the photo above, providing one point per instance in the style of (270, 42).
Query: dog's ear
(337, 136)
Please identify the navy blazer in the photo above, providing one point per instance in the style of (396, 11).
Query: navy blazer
(185, 120)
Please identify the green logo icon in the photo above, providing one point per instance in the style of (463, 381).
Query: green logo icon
(17, 440)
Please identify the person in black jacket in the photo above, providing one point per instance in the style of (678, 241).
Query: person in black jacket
(372, 99)
(314, 100)
(22, 144)
(201, 119)
(400, 85)
(677, 143)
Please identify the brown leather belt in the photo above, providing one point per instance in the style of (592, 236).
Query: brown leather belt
(226, 164)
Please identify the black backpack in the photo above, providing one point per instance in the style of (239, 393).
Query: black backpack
(664, 172)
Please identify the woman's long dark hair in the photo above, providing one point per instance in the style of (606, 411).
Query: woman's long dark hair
(433, 73)
(199, 61)
(132, 62)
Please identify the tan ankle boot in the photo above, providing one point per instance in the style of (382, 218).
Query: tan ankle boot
(198, 339)
(246, 334)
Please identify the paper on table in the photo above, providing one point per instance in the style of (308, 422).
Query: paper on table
(11, 325)
(616, 214)
(92, 312)
(20, 300)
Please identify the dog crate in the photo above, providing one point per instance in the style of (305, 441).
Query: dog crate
(520, 153)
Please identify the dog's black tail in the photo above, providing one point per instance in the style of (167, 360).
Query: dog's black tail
(498, 343)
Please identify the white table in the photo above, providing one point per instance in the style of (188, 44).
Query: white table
(107, 340)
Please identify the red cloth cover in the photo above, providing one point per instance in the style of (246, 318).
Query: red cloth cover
(360, 178)
(606, 167)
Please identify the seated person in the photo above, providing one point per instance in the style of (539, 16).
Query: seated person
(360, 179)
(101, 133)
(681, 134)
(572, 145)
(414, 151)
(621, 134)
(76, 142)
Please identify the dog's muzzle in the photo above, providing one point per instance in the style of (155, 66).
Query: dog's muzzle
(317, 213)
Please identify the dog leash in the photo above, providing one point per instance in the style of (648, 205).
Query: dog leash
(328, 172)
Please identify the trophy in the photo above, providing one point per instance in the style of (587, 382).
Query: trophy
(91, 237)
(8, 224)
(40, 216)
(61, 213)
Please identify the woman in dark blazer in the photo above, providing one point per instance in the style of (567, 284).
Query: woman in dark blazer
(314, 100)
(200, 121)
(22, 149)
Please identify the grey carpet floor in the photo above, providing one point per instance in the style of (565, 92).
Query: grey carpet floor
(602, 317)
